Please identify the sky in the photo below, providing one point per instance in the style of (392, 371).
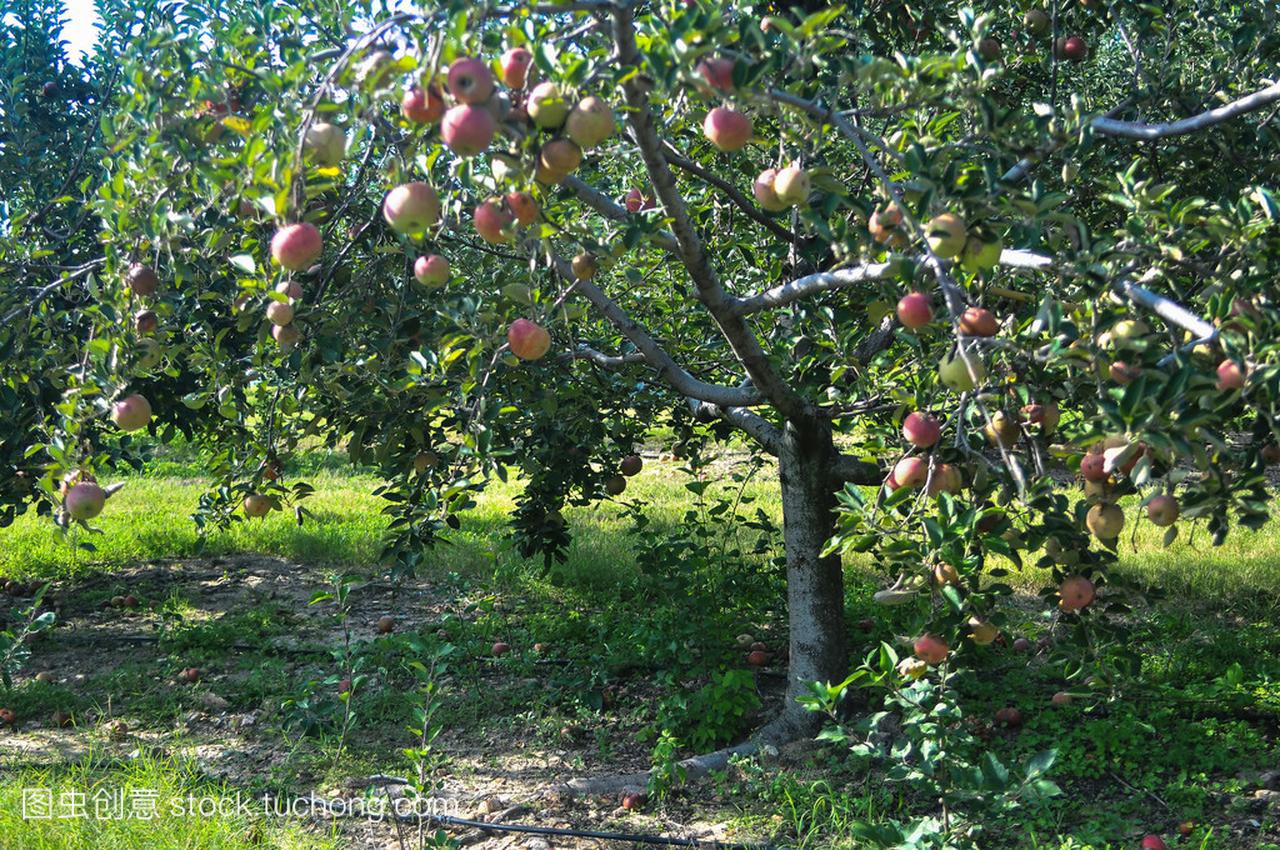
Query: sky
(81, 29)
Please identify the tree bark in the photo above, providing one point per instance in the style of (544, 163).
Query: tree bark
(815, 585)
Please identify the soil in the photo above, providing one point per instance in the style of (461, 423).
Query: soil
(494, 773)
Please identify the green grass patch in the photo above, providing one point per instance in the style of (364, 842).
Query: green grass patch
(112, 796)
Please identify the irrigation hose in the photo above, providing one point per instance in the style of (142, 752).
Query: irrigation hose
(640, 838)
(567, 832)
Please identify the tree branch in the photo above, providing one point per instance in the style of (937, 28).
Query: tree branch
(764, 432)
(1210, 118)
(812, 284)
(1169, 310)
(876, 341)
(603, 204)
(710, 291)
(786, 293)
(604, 361)
(752, 210)
(654, 354)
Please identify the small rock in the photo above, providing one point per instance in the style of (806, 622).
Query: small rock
(213, 702)
(1267, 795)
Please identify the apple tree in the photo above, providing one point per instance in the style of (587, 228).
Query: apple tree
(51, 301)
(939, 262)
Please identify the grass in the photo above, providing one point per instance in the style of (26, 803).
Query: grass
(150, 519)
(649, 614)
(187, 810)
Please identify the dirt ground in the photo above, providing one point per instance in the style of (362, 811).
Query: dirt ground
(499, 774)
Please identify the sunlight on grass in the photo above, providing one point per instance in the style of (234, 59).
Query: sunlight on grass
(150, 519)
(143, 784)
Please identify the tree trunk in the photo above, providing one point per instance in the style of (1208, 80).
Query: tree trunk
(815, 585)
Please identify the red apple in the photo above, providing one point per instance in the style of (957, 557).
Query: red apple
(718, 73)
(344, 687)
(1021, 645)
(256, 505)
(757, 658)
(146, 322)
(915, 310)
(727, 129)
(1009, 716)
(977, 321)
(290, 289)
(470, 81)
(921, 430)
(8, 717)
(931, 649)
(468, 130)
(431, 270)
(84, 501)
(1073, 47)
(1153, 842)
(142, 280)
(1061, 698)
(614, 485)
(528, 340)
(523, 206)
(411, 208)
(764, 192)
(131, 413)
(1162, 511)
(386, 624)
(589, 123)
(297, 246)
(279, 312)
(911, 472)
(946, 479)
(493, 221)
(423, 106)
(631, 465)
(500, 648)
(515, 67)
(634, 800)
(1122, 373)
(287, 337)
(635, 201)
(1230, 376)
(989, 49)
(1045, 415)
(1075, 593)
(1093, 467)
(560, 156)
